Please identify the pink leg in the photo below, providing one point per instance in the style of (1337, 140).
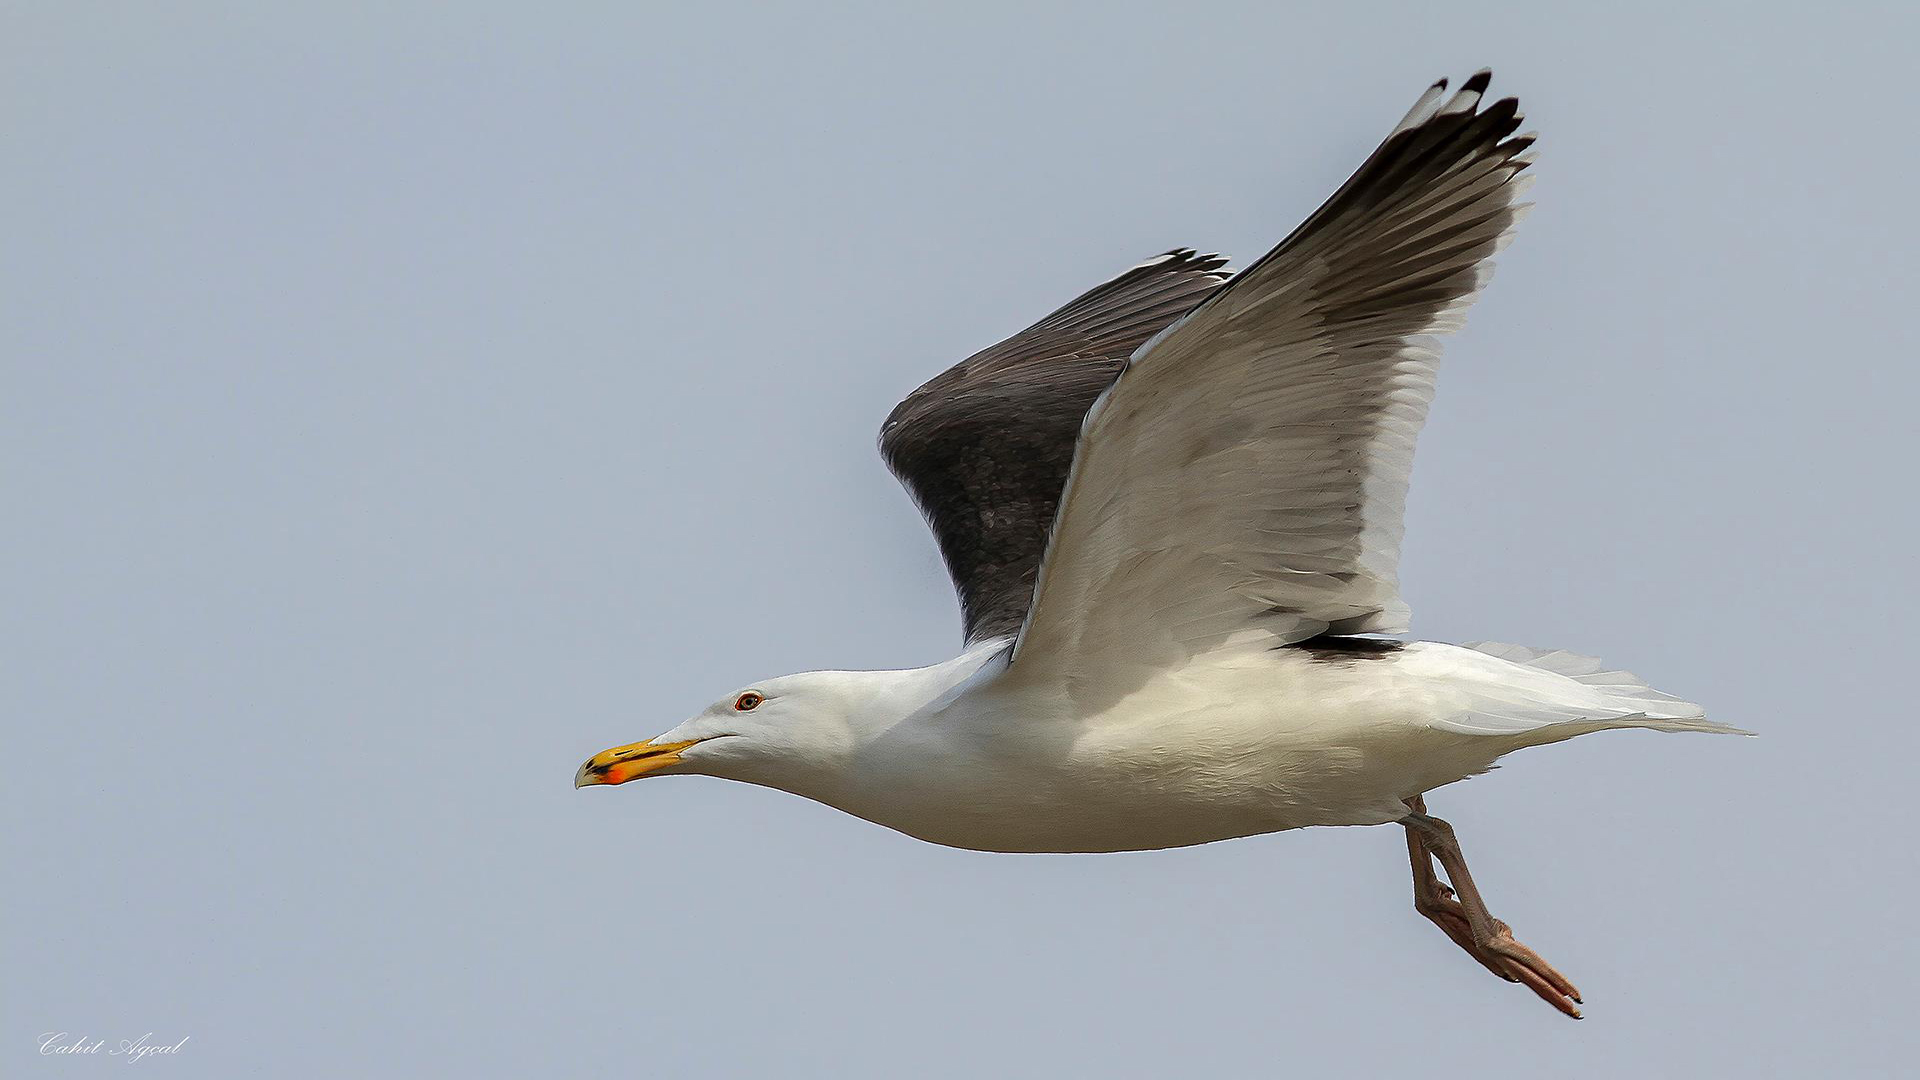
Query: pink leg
(1463, 915)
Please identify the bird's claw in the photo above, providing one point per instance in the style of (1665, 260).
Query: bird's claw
(1523, 965)
(1502, 954)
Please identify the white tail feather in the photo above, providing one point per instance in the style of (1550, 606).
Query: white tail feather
(1587, 695)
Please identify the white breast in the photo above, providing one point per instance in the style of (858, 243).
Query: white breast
(1236, 742)
(1232, 746)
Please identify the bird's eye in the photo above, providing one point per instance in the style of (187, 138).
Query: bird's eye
(748, 701)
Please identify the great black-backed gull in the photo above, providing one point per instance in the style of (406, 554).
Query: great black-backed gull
(1172, 512)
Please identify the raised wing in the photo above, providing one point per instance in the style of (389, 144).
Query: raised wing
(985, 446)
(1244, 479)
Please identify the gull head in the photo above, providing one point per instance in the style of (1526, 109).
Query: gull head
(775, 733)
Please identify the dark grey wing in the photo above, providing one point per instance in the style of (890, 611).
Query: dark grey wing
(984, 447)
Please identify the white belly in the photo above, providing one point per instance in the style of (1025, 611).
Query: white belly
(1279, 741)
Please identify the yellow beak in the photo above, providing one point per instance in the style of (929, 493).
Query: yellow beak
(629, 762)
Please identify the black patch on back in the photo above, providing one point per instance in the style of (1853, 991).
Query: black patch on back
(1336, 648)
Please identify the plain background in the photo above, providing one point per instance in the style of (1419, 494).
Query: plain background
(402, 403)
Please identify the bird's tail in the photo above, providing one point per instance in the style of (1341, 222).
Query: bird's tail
(1607, 698)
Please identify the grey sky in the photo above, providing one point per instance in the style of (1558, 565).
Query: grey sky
(402, 403)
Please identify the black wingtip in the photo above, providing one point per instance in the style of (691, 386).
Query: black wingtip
(1507, 108)
(1477, 82)
(1186, 258)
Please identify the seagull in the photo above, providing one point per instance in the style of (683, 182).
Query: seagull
(1172, 513)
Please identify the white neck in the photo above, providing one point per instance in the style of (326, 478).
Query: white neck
(861, 715)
